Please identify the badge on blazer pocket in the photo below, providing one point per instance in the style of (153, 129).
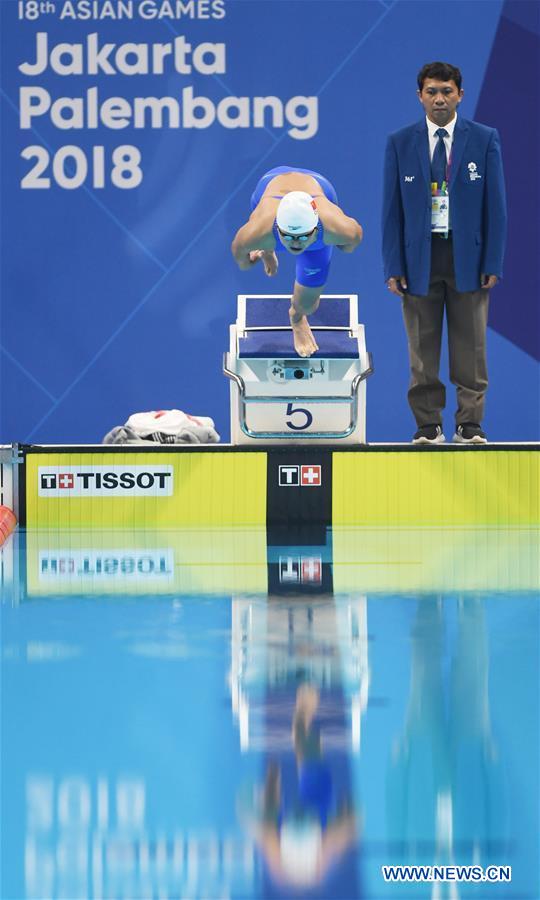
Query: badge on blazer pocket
(474, 174)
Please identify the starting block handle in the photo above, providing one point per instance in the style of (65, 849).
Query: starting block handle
(268, 435)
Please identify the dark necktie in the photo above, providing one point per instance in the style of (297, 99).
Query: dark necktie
(438, 163)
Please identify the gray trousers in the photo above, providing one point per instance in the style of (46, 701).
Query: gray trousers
(466, 318)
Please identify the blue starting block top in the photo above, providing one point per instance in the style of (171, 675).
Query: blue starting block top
(278, 344)
(265, 312)
(272, 336)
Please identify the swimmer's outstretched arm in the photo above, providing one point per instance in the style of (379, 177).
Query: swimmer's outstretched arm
(340, 230)
(256, 234)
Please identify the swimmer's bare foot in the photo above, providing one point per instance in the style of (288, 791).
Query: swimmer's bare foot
(304, 342)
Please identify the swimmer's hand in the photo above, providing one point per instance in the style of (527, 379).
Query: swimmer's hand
(248, 260)
(269, 260)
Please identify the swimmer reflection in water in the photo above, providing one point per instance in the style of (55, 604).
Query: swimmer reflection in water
(302, 842)
(296, 210)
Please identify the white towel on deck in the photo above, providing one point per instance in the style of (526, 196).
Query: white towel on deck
(165, 426)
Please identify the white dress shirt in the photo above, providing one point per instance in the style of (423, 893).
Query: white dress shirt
(433, 138)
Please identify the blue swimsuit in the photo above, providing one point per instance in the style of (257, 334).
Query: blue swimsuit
(313, 264)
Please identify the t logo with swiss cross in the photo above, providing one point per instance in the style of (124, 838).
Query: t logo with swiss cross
(310, 476)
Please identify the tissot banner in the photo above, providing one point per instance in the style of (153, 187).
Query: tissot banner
(134, 133)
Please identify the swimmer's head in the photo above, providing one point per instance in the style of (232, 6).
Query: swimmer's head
(297, 221)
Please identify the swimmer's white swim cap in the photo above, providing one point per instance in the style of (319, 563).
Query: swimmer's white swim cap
(300, 844)
(296, 213)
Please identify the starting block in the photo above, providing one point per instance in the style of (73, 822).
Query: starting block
(279, 396)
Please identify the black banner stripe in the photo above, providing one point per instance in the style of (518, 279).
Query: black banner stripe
(298, 495)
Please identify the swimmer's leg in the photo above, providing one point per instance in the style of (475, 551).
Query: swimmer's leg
(305, 301)
(272, 793)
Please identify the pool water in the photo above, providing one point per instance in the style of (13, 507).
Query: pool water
(191, 716)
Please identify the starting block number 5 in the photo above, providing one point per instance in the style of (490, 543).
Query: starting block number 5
(305, 417)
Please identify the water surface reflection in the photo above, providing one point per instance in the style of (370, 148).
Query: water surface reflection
(208, 716)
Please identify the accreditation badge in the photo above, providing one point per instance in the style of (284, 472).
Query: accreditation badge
(440, 213)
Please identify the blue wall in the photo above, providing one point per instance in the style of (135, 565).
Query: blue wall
(118, 300)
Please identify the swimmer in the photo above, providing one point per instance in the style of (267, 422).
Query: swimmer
(296, 210)
(302, 832)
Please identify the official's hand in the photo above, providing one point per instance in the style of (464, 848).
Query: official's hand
(395, 284)
(488, 281)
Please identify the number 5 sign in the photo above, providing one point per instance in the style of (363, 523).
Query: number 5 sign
(303, 417)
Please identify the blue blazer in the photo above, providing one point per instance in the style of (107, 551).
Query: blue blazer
(477, 205)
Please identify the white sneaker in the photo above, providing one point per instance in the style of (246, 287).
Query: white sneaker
(469, 433)
(429, 434)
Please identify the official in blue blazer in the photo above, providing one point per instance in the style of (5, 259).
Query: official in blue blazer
(444, 229)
